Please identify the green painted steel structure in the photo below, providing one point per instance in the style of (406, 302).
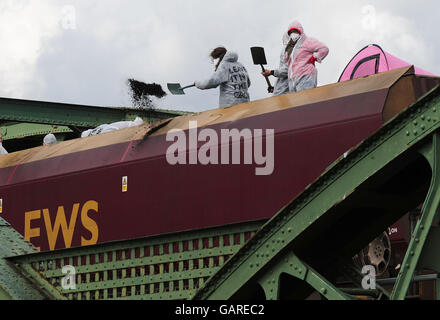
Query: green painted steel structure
(358, 181)
(13, 285)
(305, 248)
(23, 123)
(169, 267)
(12, 131)
(73, 115)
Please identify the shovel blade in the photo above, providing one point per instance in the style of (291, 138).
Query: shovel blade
(175, 89)
(258, 55)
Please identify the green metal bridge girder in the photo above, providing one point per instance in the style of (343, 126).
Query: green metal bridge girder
(168, 267)
(12, 131)
(13, 285)
(357, 198)
(305, 248)
(71, 115)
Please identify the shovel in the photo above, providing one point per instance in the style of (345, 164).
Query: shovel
(176, 88)
(259, 58)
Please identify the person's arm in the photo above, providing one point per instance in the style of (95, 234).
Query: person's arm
(282, 72)
(219, 77)
(320, 51)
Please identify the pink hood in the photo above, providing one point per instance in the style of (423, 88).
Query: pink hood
(296, 25)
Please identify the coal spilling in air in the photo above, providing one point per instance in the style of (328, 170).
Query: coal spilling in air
(141, 93)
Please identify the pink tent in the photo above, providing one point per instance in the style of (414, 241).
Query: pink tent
(371, 60)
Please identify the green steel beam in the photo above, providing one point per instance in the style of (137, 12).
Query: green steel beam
(430, 259)
(351, 273)
(290, 264)
(437, 287)
(71, 115)
(12, 131)
(423, 227)
(13, 285)
(344, 184)
(4, 295)
(123, 270)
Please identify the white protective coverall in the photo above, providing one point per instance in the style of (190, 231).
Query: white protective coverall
(50, 139)
(302, 71)
(233, 79)
(2, 149)
(105, 128)
(282, 84)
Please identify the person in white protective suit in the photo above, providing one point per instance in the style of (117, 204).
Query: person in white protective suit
(49, 140)
(301, 54)
(105, 128)
(282, 84)
(2, 149)
(231, 76)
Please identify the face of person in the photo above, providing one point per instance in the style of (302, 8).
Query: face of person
(294, 35)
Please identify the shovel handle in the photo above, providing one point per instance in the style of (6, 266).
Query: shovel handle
(270, 87)
(187, 87)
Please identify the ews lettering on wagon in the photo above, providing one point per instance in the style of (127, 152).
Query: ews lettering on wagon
(58, 226)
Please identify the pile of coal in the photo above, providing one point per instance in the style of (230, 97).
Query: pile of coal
(141, 93)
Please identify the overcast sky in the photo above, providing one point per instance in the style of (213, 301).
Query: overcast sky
(83, 51)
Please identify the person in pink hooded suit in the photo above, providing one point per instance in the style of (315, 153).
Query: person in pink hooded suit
(301, 54)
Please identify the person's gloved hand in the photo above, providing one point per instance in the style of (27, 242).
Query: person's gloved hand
(312, 60)
(267, 73)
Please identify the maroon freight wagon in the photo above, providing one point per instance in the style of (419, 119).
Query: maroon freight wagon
(122, 185)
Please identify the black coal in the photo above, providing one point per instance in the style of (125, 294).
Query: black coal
(141, 93)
